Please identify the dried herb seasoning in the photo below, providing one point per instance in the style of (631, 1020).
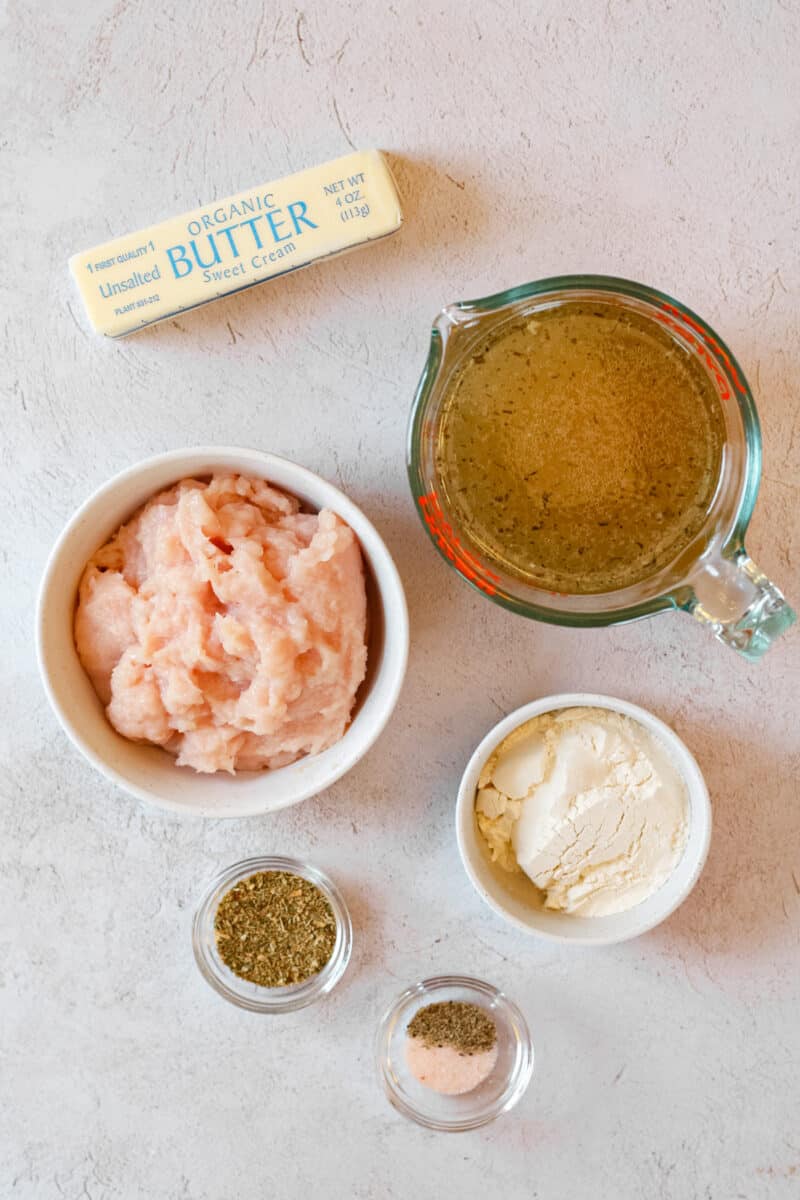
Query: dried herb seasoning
(275, 928)
(465, 1027)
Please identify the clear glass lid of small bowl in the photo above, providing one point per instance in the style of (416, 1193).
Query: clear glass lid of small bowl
(497, 1093)
(250, 995)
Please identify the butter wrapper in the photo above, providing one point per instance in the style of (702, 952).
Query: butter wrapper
(237, 243)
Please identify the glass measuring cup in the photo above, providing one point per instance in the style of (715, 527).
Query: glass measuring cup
(713, 578)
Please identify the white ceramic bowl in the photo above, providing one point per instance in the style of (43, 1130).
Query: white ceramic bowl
(148, 772)
(514, 896)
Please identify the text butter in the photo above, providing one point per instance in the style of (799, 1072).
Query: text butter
(237, 242)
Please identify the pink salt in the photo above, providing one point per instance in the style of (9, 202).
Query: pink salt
(447, 1070)
(226, 626)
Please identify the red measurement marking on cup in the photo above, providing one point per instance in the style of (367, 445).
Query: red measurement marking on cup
(449, 544)
(701, 349)
(701, 344)
(726, 358)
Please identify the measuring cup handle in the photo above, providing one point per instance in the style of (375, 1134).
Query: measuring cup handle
(743, 608)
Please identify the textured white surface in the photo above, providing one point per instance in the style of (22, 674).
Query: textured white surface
(654, 140)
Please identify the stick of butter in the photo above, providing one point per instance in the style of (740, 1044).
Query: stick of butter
(236, 243)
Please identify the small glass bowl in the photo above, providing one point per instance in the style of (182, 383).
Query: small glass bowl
(499, 1092)
(252, 995)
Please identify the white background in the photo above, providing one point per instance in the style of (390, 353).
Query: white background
(654, 140)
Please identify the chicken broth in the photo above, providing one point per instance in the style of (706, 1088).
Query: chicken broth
(580, 448)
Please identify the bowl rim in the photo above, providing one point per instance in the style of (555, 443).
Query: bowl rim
(698, 798)
(389, 584)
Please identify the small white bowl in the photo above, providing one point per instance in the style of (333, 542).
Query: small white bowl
(515, 898)
(148, 772)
